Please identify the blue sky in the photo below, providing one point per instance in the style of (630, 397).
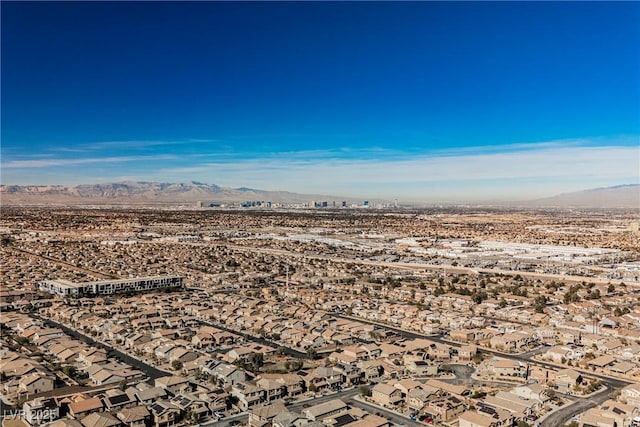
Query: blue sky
(416, 101)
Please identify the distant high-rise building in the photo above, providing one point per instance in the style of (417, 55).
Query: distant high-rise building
(365, 203)
(344, 204)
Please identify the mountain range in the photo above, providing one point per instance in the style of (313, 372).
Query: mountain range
(156, 193)
(619, 196)
(141, 193)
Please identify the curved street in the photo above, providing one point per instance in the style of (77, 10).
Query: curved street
(563, 415)
(150, 371)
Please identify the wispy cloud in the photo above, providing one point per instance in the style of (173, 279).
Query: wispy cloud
(138, 144)
(537, 169)
(53, 162)
(550, 165)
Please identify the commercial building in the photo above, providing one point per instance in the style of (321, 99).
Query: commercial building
(107, 287)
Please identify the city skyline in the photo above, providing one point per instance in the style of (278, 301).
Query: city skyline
(418, 101)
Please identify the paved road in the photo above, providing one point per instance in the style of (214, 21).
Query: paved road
(288, 350)
(66, 264)
(563, 415)
(539, 350)
(558, 418)
(294, 407)
(463, 374)
(524, 357)
(150, 371)
(395, 418)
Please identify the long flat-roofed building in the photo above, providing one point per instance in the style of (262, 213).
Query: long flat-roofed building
(106, 287)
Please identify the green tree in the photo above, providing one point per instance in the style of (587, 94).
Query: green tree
(594, 294)
(176, 365)
(70, 371)
(364, 390)
(539, 303)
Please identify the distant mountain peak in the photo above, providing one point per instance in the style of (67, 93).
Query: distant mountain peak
(617, 196)
(141, 192)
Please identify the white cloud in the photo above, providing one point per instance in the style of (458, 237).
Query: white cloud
(549, 167)
(515, 171)
(53, 162)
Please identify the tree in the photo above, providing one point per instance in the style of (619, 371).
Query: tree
(254, 362)
(594, 294)
(551, 392)
(539, 303)
(571, 295)
(478, 297)
(478, 357)
(176, 365)
(364, 390)
(69, 370)
(22, 340)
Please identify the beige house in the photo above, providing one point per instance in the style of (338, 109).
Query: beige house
(567, 379)
(386, 395)
(137, 416)
(37, 382)
(262, 415)
(475, 419)
(324, 410)
(631, 394)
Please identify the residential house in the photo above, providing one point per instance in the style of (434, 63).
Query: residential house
(248, 394)
(289, 419)
(505, 367)
(115, 399)
(420, 368)
(40, 411)
(444, 408)
(188, 403)
(36, 382)
(476, 419)
(227, 374)
(260, 416)
(173, 384)
(273, 390)
(81, 405)
(417, 398)
(386, 395)
(631, 395)
(145, 394)
(100, 419)
(164, 413)
(137, 416)
(324, 410)
(567, 379)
